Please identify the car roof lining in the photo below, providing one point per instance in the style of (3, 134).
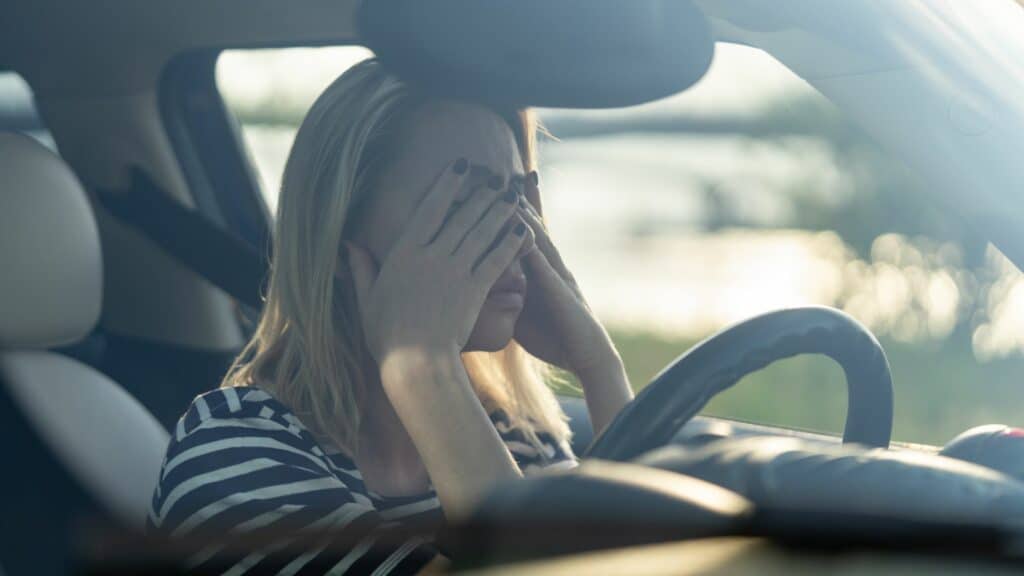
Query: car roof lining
(110, 46)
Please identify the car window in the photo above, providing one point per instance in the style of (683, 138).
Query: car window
(747, 193)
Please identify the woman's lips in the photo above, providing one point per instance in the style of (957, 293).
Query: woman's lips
(508, 292)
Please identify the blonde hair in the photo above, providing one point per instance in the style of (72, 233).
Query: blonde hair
(308, 349)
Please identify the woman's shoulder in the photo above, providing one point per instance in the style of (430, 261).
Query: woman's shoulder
(243, 405)
(246, 423)
(236, 443)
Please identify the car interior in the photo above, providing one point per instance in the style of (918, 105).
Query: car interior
(134, 241)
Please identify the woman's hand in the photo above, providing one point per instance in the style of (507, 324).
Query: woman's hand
(430, 287)
(418, 311)
(557, 325)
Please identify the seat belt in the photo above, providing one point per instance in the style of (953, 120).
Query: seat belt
(215, 254)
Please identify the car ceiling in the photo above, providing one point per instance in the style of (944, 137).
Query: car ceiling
(70, 46)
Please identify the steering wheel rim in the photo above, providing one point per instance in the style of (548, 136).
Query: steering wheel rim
(686, 385)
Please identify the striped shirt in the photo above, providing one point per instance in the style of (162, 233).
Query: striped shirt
(240, 461)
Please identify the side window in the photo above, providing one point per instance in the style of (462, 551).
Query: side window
(747, 193)
(269, 91)
(18, 111)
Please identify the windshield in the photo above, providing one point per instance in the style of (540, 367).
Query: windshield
(749, 192)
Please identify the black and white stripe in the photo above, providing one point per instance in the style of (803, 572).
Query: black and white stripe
(240, 461)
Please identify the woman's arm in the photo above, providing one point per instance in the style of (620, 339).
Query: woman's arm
(558, 326)
(418, 310)
(462, 451)
(606, 387)
(260, 495)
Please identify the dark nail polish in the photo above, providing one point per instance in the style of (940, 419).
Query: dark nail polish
(461, 165)
(534, 178)
(520, 229)
(494, 182)
(510, 196)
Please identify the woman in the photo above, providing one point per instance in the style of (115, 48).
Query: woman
(394, 371)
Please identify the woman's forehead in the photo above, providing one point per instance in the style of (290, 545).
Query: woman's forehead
(439, 134)
(445, 131)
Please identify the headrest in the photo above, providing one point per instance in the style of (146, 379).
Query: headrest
(51, 283)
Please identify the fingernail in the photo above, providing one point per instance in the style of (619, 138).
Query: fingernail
(520, 229)
(460, 167)
(494, 182)
(510, 196)
(534, 178)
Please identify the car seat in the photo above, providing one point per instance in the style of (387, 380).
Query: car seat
(56, 409)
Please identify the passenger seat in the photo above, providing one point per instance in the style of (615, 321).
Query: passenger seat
(50, 295)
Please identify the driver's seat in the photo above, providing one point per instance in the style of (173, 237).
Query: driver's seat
(50, 295)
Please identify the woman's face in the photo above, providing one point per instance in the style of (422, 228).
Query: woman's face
(440, 133)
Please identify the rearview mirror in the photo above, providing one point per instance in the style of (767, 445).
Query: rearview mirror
(568, 53)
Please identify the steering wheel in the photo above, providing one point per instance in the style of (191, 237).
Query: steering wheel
(682, 389)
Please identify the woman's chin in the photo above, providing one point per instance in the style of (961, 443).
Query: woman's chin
(487, 346)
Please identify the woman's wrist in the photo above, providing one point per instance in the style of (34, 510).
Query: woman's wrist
(602, 358)
(398, 363)
(606, 379)
(433, 398)
(605, 386)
